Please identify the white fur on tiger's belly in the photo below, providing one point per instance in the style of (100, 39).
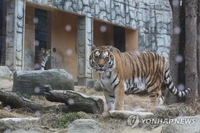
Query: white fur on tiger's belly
(135, 86)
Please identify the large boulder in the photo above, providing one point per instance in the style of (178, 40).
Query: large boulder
(33, 82)
(16, 123)
(84, 126)
(5, 72)
(186, 124)
(6, 84)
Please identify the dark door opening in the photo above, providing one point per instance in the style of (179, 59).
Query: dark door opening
(119, 38)
(3, 11)
(1, 31)
(42, 33)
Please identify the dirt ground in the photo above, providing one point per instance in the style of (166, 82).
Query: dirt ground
(107, 124)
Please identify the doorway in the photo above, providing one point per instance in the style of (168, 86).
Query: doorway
(2, 31)
(119, 38)
(42, 33)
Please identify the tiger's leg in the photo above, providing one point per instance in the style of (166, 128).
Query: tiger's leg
(115, 99)
(110, 99)
(154, 95)
(162, 95)
(161, 99)
(119, 97)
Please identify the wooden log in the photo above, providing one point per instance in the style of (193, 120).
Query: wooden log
(73, 103)
(191, 77)
(76, 101)
(198, 47)
(15, 101)
(174, 51)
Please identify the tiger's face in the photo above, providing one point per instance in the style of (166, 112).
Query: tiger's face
(45, 53)
(102, 59)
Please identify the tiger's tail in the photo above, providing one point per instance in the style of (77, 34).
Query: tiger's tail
(170, 85)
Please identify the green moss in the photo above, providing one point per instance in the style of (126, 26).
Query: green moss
(64, 119)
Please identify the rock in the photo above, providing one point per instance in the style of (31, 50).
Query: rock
(124, 114)
(27, 131)
(6, 84)
(33, 82)
(5, 72)
(16, 123)
(84, 126)
(90, 83)
(185, 124)
(97, 86)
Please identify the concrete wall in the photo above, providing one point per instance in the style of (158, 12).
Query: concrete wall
(149, 20)
(29, 44)
(64, 39)
(152, 18)
(131, 37)
(103, 33)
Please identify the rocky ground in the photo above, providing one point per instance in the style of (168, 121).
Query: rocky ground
(55, 121)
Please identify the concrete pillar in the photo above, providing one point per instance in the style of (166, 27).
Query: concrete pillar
(15, 24)
(84, 42)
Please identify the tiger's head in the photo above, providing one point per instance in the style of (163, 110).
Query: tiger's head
(45, 53)
(102, 59)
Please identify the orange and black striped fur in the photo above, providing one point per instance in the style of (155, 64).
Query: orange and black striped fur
(44, 56)
(131, 72)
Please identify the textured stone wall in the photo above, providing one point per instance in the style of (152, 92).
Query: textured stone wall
(154, 25)
(151, 17)
(15, 34)
(85, 41)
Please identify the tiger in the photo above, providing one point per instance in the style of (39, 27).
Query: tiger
(44, 55)
(123, 73)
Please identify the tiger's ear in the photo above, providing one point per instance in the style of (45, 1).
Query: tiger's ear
(93, 47)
